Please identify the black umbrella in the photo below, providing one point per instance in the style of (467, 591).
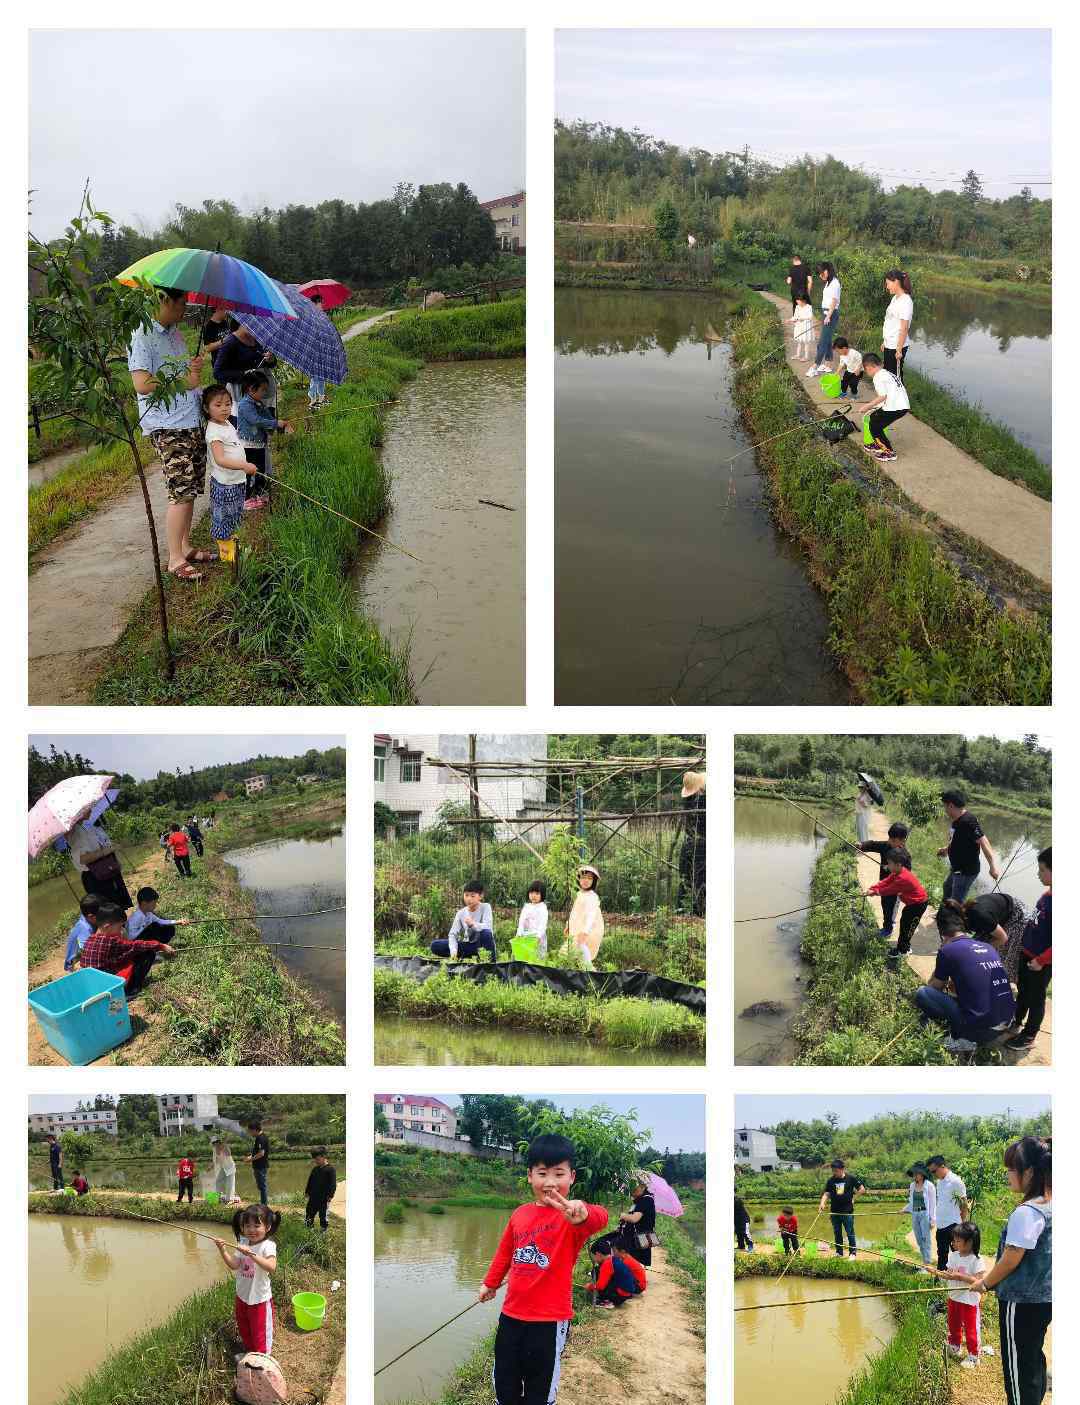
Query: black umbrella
(876, 793)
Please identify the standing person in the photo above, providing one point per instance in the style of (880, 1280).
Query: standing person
(174, 430)
(230, 470)
(953, 1206)
(638, 1226)
(983, 1007)
(802, 327)
(194, 833)
(830, 318)
(178, 847)
(897, 835)
(320, 1189)
(890, 403)
(743, 1237)
(1022, 1275)
(966, 842)
(260, 1159)
(864, 804)
(922, 1207)
(1035, 965)
(56, 1163)
(787, 1222)
(185, 1175)
(253, 1261)
(91, 851)
(218, 326)
(692, 853)
(903, 883)
(239, 352)
(999, 919)
(255, 419)
(896, 333)
(224, 1170)
(799, 280)
(585, 925)
(839, 1196)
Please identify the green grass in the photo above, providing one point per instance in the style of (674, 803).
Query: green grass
(467, 1181)
(457, 333)
(689, 1265)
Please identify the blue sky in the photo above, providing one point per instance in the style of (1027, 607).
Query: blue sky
(765, 1110)
(899, 101)
(677, 1120)
(143, 756)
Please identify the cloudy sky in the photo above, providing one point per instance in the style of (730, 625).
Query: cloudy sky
(906, 103)
(677, 1121)
(157, 117)
(143, 757)
(765, 1111)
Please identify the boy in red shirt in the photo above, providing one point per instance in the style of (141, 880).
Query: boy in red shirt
(539, 1247)
(788, 1225)
(903, 883)
(185, 1174)
(619, 1277)
(178, 847)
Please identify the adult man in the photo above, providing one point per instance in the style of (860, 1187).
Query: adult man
(966, 842)
(260, 1158)
(952, 1205)
(799, 280)
(839, 1194)
(56, 1163)
(984, 1005)
(174, 430)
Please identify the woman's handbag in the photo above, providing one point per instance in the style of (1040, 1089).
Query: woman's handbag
(648, 1240)
(104, 869)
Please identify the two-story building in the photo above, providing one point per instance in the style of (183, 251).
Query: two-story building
(254, 784)
(415, 791)
(101, 1120)
(508, 216)
(756, 1151)
(190, 1112)
(416, 1112)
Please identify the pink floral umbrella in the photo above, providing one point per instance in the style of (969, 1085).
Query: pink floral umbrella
(60, 809)
(667, 1202)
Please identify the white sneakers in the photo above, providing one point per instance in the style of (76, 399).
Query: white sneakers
(814, 371)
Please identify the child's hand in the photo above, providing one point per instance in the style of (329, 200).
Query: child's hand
(573, 1210)
(941, 853)
(196, 363)
(486, 1294)
(182, 922)
(167, 949)
(250, 470)
(978, 1285)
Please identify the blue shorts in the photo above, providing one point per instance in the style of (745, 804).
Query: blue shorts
(226, 508)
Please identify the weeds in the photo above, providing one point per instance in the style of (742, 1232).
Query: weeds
(457, 333)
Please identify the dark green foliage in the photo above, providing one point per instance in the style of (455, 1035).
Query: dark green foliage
(457, 333)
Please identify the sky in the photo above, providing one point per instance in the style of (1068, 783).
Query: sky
(761, 1110)
(143, 757)
(159, 117)
(676, 1121)
(901, 102)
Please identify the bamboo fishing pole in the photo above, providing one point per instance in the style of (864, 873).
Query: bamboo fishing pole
(173, 1224)
(854, 847)
(280, 483)
(394, 1360)
(843, 1298)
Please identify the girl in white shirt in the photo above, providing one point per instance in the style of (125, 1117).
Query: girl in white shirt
(890, 403)
(896, 332)
(229, 468)
(830, 318)
(533, 919)
(802, 321)
(964, 1267)
(253, 1261)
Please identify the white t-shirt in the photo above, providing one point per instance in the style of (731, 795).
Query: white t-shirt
(830, 296)
(533, 920)
(950, 1188)
(253, 1282)
(803, 319)
(896, 397)
(852, 361)
(225, 434)
(86, 845)
(964, 1263)
(901, 309)
(1026, 1224)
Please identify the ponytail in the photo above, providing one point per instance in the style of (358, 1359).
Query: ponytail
(897, 275)
(1032, 1154)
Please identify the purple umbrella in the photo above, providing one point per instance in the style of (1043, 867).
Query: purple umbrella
(309, 340)
(667, 1202)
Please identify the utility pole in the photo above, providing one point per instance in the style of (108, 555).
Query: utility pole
(579, 810)
(659, 836)
(474, 810)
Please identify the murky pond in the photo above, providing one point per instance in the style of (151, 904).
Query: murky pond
(996, 352)
(58, 898)
(872, 1222)
(457, 436)
(804, 1353)
(1016, 842)
(301, 876)
(286, 1177)
(96, 1283)
(403, 1041)
(671, 583)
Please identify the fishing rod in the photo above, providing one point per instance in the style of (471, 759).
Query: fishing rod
(464, 1310)
(261, 916)
(822, 825)
(770, 916)
(280, 483)
(252, 945)
(186, 1228)
(844, 1298)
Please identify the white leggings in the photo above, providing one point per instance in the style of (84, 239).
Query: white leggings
(225, 1184)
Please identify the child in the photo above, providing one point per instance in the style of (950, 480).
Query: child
(964, 1266)
(533, 919)
(83, 928)
(253, 1261)
(185, 1175)
(788, 1225)
(802, 320)
(320, 1188)
(178, 848)
(1035, 966)
(145, 919)
(539, 1247)
(851, 364)
(253, 421)
(109, 950)
(585, 926)
(909, 890)
(80, 1184)
(891, 404)
(473, 927)
(617, 1276)
(1022, 1275)
(897, 834)
(229, 467)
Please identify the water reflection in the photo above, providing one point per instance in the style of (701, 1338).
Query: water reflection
(402, 1041)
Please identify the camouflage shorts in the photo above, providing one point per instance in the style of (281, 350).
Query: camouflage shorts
(183, 459)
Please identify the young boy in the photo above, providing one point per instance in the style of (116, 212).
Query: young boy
(80, 1184)
(890, 403)
(473, 927)
(109, 950)
(851, 364)
(185, 1176)
(145, 919)
(180, 851)
(618, 1276)
(788, 1225)
(1035, 965)
(84, 928)
(539, 1247)
(897, 834)
(911, 893)
(253, 421)
(320, 1188)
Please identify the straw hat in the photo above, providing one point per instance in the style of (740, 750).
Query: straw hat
(693, 782)
(588, 868)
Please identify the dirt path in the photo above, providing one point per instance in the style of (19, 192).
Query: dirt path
(358, 327)
(654, 1356)
(952, 485)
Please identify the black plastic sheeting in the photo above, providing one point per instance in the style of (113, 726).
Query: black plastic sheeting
(602, 983)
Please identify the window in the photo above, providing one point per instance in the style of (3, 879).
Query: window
(410, 766)
(407, 822)
(515, 220)
(381, 748)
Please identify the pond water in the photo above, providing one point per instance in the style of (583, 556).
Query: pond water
(301, 876)
(55, 899)
(286, 1177)
(672, 584)
(403, 1041)
(996, 352)
(872, 1222)
(1016, 842)
(805, 1353)
(96, 1283)
(457, 435)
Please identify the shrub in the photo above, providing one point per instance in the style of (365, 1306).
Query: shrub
(394, 1213)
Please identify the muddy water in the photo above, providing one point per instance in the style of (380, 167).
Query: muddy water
(806, 1353)
(399, 1040)
(96, 1283)
(286, 1177)
(301, 876)
(54, 899)
(1016, 842)
(872, 1222)
(457, 436)
(426, 1269)
(775, 851)
(672, 584)
(996, 352)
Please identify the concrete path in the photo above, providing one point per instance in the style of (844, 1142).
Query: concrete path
(952, 485)
(358, 327)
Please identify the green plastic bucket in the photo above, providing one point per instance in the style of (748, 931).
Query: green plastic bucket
(830, 384)
(525, 948)
(212, 1197)
(309, 1310)
(867, 437)
(70, 1190)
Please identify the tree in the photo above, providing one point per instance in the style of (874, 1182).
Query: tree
(137, 1113)
(666, 224)
(971, 187)
(385, 819)
(77, 1147)
(920, 801)
(492, 1119)
(806, 755)
(382, 1124)
(611, 1148)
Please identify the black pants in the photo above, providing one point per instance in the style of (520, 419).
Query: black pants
(139, 971)
(611, 1295)
(878, 421)
(744, 1242)
(186, 1183)
(909, 920)
(315, 1207)
(183, 864)
(944, 1244)
(481, 940)
(198, 844)
(849, 380)
(527, 1360)
(888, 910)
(1031, 996)
(255, 486)
(1023, 1362)
(888, 360)
(791, 1241)
(57, 1178)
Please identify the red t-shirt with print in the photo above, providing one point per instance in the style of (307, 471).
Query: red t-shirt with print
(178, 841)
(539, 1248)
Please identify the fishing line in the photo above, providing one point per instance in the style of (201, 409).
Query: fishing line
(770, 916)
(253, 945)
(428, 1338)
(280, 483)
(844, 1298)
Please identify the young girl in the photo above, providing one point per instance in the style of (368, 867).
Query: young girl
(585, 926)
(229, 468)
(896, 332)
(802, 320)
(534, 916)
(1022, 1275)
(964, 1266)
(253, 1261)
(255, 419)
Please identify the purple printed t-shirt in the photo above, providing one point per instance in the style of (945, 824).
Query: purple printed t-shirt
(981, 981)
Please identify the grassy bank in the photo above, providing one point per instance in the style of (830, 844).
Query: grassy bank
(688, 1265)
(769, 788)
(906, 625)
(457, 333)
(643, 277)
(189, 1356)
(415, 1170)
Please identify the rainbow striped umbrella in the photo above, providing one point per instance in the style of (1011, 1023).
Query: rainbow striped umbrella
(218, 279)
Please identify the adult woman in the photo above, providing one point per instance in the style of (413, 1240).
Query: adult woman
(638, 1226)
(922, 1207)
(93, 855)
(692, 854)
(830, 318)
(864, 803)
(1000, 920)
(224, 1171)
(896, 332)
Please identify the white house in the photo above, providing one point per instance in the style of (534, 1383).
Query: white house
(507, 214)
(103, 1120)
(190, 1112)
(756, 1151)
(416, 791)
(416, 1112)
(253, 784)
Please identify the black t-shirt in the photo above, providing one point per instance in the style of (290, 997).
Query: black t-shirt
(798, 274)
(964, 843)
(842, 1194)
(261, 1143)
(989, 911)
(645, 1206)
(54, 1155)
(321, 1184)
(881, 847)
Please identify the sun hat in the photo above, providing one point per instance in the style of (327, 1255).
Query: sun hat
(588, 868)
(693, 782)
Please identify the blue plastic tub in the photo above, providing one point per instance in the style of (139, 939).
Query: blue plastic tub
(83, 1015)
